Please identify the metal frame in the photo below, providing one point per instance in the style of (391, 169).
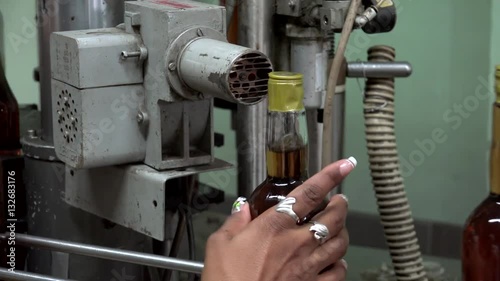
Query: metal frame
(97, 252)
(132, 196)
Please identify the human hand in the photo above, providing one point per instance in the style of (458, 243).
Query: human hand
(273, 247)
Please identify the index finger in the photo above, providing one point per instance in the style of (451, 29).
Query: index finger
(312, 192)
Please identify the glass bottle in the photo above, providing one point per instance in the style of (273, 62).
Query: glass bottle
(287, 147)
(9, 118)
(12, 191)
(481, 236)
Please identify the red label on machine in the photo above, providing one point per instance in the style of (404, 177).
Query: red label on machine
(174, 4)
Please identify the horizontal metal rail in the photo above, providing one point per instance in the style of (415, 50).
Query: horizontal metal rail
(25, 276)
(108, 253)
(378, 69)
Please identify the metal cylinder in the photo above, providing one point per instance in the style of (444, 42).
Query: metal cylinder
(25, 276)
(126, 256)
(50, 216)
(309, 57)
(315, 131)
(226, 71)
(255, 30)
(63, 15)
(378, 69)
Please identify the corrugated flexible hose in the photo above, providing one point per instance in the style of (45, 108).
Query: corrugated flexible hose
(393, 206)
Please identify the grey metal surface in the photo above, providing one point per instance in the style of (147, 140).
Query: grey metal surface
(109, 253)
(34, 146)
(315, 133)
(56, 15)
(378, 69)
(26, 276)
(180, 133)
(338, 125)
(333, 13)
(309, 56)
(97, 127)
(93, 58)
(255, 27)
(227, 71)
(132, 196)
(291, 8)
(173, 59)
(49, 216)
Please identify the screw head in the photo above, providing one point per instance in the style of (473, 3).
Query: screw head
(31, 134)
(172, 66)
(199, 32)
(140, 117)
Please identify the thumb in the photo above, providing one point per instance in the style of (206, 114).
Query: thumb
(240, 217)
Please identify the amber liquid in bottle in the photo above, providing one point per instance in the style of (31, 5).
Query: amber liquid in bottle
(481, 235)
(287, 147)
(284, 175)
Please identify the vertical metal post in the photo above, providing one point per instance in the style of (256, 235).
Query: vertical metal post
(255, 30)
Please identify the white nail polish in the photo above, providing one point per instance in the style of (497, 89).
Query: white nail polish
(344, 262)
(344, 197)
(238, 204)
(353, 161)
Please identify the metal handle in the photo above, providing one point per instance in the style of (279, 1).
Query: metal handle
(378, 69)
(103, 253)
(25, 276)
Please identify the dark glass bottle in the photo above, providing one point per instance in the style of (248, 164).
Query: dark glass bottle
(12, 191)
(481, 236)
(287, 149)
(9, 118)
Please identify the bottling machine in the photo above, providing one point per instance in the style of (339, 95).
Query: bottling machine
(127, 98)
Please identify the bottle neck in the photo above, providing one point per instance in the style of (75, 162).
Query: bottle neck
(495, 151)
(287, 145)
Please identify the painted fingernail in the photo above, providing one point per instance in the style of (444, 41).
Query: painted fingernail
(344, 197)
(348, 166)
(238, 204)
(344, 263)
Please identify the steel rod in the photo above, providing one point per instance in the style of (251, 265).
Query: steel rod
(109, 253)
(378, 69)
(26, 276)
(255, 21)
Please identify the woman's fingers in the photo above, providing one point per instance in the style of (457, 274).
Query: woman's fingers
(337, 273)
(331, 251)
(312, 192)
(333, 217)
(239, 219)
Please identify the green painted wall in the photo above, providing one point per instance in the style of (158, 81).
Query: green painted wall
(18, 45)
(452, 48)
(449, 46)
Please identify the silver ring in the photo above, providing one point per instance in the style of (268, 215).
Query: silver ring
(320, 231)
(286, 207)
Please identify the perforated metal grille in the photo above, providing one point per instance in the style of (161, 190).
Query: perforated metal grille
(248, 77)
(67, 116)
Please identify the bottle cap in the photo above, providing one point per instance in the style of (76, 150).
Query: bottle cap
(286, 92)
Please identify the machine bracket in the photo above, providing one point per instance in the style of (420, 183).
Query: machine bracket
(130, 195)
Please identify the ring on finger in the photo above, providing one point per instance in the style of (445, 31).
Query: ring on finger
(320, 231)
(286, 207)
